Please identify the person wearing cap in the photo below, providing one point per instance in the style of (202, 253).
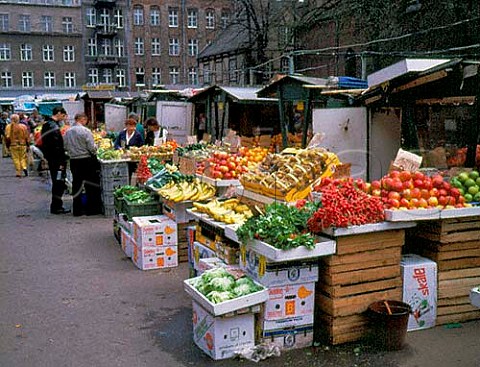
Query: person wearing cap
(129, 137)
(82, 151)
(54, 152)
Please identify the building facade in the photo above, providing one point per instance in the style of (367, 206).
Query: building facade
(41, 47)
(167, 36)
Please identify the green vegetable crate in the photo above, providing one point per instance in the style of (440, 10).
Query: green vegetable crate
(119, 204)
(131, 209)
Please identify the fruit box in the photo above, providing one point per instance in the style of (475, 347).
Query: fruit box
(278, 273)
(475, 296)
(227, 306)
(155, 257)
(290, 338)
(201, 251)
(420, 290)
(323, 247)
(177, 211)
(396, 215)
(222, 337)
(157, 230)
(290, 301)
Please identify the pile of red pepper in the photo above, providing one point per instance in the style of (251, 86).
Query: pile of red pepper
(143, 172)
(344, 204)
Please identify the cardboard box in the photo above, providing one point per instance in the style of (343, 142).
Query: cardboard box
(125, 223)
(275, 273)
(290, 301)
(190, 240)
(290, 338)
(177, 211)
(156, 230)
(420, 290)
(155, 257)
(201, 252)
(229, 254)
(208, 263)
(221, 337)
(287, 323)
(126, 242)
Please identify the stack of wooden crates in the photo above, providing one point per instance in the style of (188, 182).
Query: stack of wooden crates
(454, 244)
(365, 269)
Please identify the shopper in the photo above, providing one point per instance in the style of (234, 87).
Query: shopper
(81, 148)
(154, 131)
(139, 125)
(129, 137)
(4, 121)
(18, 138)
(54, 152)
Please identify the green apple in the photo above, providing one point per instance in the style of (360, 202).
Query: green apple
(477, 181)
(476, 197)
(473, 175)
(469, 182)
(473, 190)
(463, 177)
(468, 197)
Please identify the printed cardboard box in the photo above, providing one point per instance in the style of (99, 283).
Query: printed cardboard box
(157, 230)
(190, 240)
(220, 337)
(278, 273)
(420, 290)
(155, 257)
(290, 301)
(126, 241)
(290, 338)
(201, 252)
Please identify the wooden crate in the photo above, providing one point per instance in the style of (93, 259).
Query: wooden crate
(450, 230)
(182, 241)
(339, 330)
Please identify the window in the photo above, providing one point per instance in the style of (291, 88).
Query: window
(139, 48)
(104, 17)
(206, 74)
(192, 76)
(48, 53)
(232, 71)
(155, 46)
(156, 76)
(137, 15)
(119, 48)
(68, 53)
(67, 24)
(106, 47)
(26, 52)
(154, 16)
(210, 19)
(27, 79)
(108, 76)
(192, 47)
(225, 18)
(92, 47)
(5, 53)
(140, 76)
(192, 18)
(174, 75)
(49, 79)
(284, 64)
(4, 22)
(173, 17)
(118, 18)
(219, 71)
(93, 76)
(91, 17)
(284, 37)
(24, 23)
(6, 79)
(173, 47)
(47, 23)
(121, 80)
(70, 80)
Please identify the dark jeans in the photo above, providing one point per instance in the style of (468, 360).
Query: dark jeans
(85, 175)
(58, 186)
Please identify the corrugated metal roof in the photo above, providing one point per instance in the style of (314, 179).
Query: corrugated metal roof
(107, 94)
(241, 94)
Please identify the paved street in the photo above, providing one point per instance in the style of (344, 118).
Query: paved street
(69, 297)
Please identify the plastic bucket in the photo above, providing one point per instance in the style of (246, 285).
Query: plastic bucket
(389, 323)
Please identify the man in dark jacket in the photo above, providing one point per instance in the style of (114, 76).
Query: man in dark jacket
(54, 152)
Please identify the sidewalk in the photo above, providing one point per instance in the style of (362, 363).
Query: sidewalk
(69, 297)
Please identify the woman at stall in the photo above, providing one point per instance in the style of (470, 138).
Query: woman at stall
(154, 131)
(129, 137)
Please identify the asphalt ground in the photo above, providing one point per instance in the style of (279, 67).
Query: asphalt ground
(69, 297)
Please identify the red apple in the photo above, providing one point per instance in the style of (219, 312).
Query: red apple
(414, 203)
(393, 203)
(418, 176)
(418, 183)
(394, 195)
(404, 203)
(376, 185)
(442, 200)
(432, 201)
(424, 193)
(416, 193)
(434, 192)
(405, 176)
(407, 194)
(437, 181)
(422, 203)
(394, 174)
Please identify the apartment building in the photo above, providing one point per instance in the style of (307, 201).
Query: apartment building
(167, 36)
(40, 46)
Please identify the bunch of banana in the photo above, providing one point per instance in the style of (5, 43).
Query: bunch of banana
(171, 167)
(194, 190)
(230, 211)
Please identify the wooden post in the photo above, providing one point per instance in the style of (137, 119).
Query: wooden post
(281, 111)
(307, 117)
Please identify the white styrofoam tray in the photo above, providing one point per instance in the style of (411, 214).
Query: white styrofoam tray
(367, 228)
(475, 296)
(460, 212)
(112, 161)
(227, 306)
(231, 232)
(240, 191)
(393, 215)
(323, 247)
(207, 219)
(218, 183)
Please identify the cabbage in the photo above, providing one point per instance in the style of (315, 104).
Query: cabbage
(244, 286)
(215, 273)
(222, 284)
(219, 297)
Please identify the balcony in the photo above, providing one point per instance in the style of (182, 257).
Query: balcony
(104, 3)
(107, 60)
(105, 30)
